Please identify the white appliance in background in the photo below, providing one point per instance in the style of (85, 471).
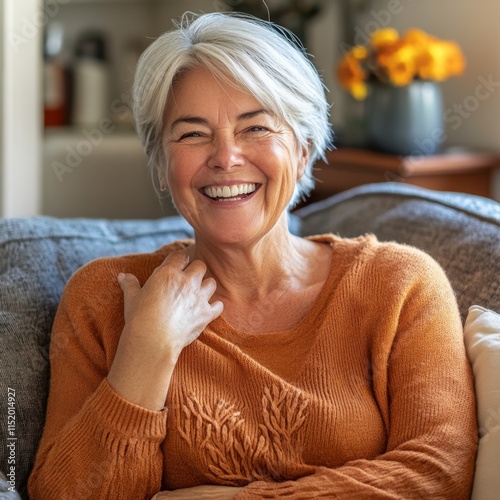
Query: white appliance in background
(90, 80)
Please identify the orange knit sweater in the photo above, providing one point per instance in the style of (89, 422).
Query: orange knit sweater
(370, 396)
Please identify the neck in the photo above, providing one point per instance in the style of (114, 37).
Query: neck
(252, 271)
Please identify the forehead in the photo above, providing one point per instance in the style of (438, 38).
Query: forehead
(200, 91)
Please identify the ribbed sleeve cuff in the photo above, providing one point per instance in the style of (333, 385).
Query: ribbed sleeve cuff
(261, 489)
(315, 485)
(118, 422)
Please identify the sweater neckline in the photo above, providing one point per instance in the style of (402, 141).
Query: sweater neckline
(222, 326)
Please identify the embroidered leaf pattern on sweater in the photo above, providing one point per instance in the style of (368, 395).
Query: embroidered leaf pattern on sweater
(235, 453)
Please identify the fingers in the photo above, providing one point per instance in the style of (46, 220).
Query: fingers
(178, 259)
(217, 309)
(194, 272)
(209, 285)
(128, 283)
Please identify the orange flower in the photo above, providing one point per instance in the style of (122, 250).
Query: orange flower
(455, 60)
(432, 63)
(383, 37)
(417, 37)
(359, 52)
(352, 76)
(399, 61)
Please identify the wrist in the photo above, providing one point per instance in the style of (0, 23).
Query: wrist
(140, 379)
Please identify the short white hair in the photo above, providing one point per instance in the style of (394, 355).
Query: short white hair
(265, 59)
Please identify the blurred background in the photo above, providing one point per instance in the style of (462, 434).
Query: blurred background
(68, 147)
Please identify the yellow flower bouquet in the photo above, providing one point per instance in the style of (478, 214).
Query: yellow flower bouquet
(397, 60)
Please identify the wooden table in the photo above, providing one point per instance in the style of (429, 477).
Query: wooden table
(466, 172)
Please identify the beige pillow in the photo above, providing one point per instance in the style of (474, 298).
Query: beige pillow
(482, 341)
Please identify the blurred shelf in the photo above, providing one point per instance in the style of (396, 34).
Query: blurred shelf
(457, 170)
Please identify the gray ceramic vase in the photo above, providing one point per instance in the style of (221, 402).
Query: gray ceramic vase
(405, 120)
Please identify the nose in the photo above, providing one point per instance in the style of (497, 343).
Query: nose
(226, 153)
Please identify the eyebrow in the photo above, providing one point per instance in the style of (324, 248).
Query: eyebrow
(198, 120)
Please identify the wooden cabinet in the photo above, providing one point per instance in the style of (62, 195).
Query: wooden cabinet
(467, 172)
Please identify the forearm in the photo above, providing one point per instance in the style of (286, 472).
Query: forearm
(378, 479)
(142, 383)
(109, 449)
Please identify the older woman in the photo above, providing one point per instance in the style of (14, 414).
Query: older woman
(250, 363)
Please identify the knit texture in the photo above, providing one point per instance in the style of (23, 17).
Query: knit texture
(369, 396)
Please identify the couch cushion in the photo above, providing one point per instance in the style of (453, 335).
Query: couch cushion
(462, 232)
(482, 340)
(37, 257)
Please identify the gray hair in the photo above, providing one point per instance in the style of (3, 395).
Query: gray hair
(258, 55)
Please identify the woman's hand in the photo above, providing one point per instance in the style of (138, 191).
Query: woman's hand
(161, 318)
(206, 492)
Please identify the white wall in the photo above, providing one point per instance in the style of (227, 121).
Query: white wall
(20, 113)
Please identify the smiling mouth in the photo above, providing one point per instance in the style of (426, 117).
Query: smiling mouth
(235, 192)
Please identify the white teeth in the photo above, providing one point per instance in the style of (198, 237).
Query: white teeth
(229, 191)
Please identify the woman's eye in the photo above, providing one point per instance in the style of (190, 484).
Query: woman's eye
(258, 128)
(190, 134)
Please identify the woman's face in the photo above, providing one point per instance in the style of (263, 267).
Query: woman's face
(232, 165)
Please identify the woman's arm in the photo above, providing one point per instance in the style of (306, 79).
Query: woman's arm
(426, 379)
(97, 442)
(161, 318)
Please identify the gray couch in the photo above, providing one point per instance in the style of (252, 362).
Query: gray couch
(38, 255)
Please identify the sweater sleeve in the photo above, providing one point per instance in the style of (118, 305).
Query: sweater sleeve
(95, 444)
(423, 382)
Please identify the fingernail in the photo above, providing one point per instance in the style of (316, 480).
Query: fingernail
(120, 277)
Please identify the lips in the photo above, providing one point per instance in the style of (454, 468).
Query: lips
(234, 192)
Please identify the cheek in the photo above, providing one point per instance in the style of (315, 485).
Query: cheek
(178, 167)
(177, 179)
(180, 191)
(181, 174)
(286, 161)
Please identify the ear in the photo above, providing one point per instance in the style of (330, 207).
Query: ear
(162, 179)
(303, 161)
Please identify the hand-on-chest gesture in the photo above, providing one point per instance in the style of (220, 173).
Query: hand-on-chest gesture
(161, 318)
